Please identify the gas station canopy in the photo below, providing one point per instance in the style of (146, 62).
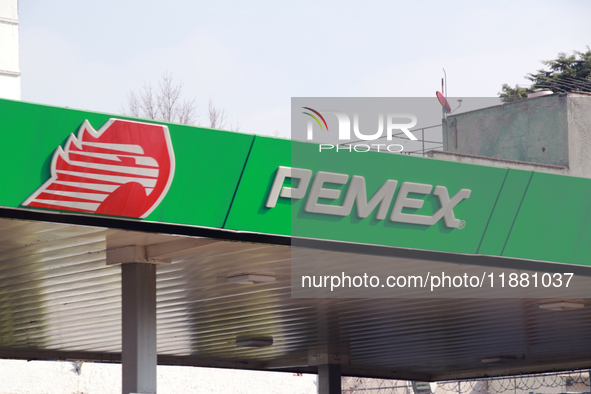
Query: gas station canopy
(232, 222)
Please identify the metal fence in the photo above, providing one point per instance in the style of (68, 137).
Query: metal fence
(551, 383)
(428, 139)
(351, 385)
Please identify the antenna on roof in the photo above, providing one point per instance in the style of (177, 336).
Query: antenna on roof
(441, 96)
(443, 100)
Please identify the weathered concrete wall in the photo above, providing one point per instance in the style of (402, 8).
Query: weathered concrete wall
(533, 130)
(579, 135)
(550, 130)
(492, 162)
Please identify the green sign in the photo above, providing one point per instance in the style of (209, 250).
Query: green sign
(62, 160)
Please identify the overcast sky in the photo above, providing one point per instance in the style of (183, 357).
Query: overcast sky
(251, 57)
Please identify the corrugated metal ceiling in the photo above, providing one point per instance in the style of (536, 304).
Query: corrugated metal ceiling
(59, 298)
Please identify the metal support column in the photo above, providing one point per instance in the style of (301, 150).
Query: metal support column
(139, 357)
(329, 379)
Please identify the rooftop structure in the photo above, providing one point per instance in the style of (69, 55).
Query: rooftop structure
(550, 133)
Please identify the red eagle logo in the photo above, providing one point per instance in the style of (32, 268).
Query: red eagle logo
(123, 169)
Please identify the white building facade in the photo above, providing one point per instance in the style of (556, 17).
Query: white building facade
(10, 75)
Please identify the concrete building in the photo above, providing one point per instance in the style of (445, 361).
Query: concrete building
(546, 134)
(10, 75)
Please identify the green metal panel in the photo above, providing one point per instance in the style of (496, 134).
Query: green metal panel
(30, 134)
(223, 180)
(208, 162)
(208, 168)
(505, 211)
(554, 221)
(249, 213)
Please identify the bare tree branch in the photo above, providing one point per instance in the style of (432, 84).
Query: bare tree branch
(236, 126)
(167, 98)
(148, 105)
(134, 105)
(217, 117)
(164, 104)
(187, 113)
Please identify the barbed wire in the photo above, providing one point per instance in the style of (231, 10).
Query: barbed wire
(550, 383)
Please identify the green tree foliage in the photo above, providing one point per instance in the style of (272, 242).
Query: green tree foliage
(565, 74)
(510, 94)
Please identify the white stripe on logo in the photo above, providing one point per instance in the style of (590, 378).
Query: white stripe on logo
(90, 186)
(139, 160)
(112, 178)
(85, 196)
(121, 147)
(126, 170)
(89, 206)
